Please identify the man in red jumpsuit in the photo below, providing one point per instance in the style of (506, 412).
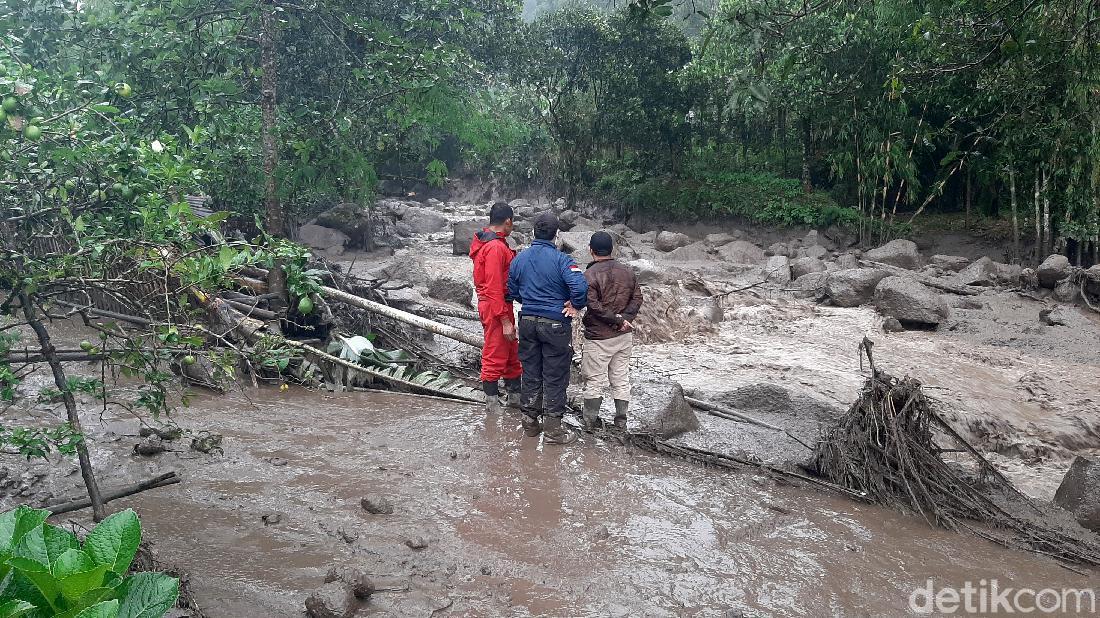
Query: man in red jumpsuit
(500, 357)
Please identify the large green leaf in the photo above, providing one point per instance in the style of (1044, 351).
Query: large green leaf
(39, 576)
(115, 541)
(18, 586)
(106, 609)
(16, 523)
(58, 541)
(15, 608)
(147, 595)
(76, 574)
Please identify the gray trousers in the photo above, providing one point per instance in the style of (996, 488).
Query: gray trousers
(606, 363)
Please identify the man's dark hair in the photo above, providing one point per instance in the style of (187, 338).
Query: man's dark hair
(601, 244)
(499, 213)
(546, 226)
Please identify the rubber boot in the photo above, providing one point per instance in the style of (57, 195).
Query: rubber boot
(592, 413)
(512, 386)
(621, 408)
(531, 426)
(492, 397)
(556, 433)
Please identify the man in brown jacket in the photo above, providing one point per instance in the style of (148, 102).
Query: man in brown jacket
(614, 299)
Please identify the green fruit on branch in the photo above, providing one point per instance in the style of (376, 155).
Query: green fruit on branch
(32, 132)
(10, 104)
(70, 185)
(305, 306)
(123, 90)
(188, 360)
(86, 346)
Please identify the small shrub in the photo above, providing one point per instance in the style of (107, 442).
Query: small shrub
(46, 572)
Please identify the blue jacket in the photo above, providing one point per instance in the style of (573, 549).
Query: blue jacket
(543, 278)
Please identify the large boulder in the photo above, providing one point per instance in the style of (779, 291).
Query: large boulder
(855, 286)
(910, 302)
(351, 219)
(717, 240)
(814, 251)
(1066, 291)
(585, 224)
(846, 261)
(452, 290)
(778, 269)
(742, 252)
(1092, 279)
(805, 266)
(661, 408)
(695, 252)
(464, 235)
(986, 272)
(567, 219)
(902, 253)
(810, 285)
(951, 263)
(575, 243)
(778, 248)
(1079, 492)
(649, 272)
(1052, 270)
(332, 600)
(423, 221)
(323, 238)
(669, 241)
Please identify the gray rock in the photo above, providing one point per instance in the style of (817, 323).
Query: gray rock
(986, 272)
(814, 251)
(323, 238)
(668, 241)
(464, 235)
(911, 302)
(811, 239)
(902, 253)
(452, 290)
(742, 252)
(585, 224)
(778, 269)
(810, 285)
(416, 542)
(951, 263)
(846, 261)
(892, 325)
(778, 248)
(649, 273)
(423, 221)
(805, 266)
(332, 600)
(1058, 316)
(519, 203)
(567, 219)
(1079, 492)
(351, 219)
(695, 252)
(1092, 279)
(717, 240)
(377, 505)
(1052, 270)
(1066, 291)
(854, 287)
(661, 408)
(360, 583)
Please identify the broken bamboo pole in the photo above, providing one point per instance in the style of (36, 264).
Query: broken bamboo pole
(431, 326)
(730, 414)
(164, 480)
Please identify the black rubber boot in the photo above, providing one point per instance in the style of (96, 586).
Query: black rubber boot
(621, 408)
(531, 426)
(492, 397)
(513, 387)
(592, 413)
(556, 433)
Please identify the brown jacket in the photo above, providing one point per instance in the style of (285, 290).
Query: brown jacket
(613, 296)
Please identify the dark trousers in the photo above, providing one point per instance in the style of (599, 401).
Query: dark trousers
(545, 351)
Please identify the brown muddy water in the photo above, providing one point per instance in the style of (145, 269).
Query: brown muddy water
(517, 528)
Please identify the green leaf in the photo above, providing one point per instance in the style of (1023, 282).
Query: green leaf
(115, 541)
(15, 608)
(104, 108)
(38, 576)
(106, 609)
(77, 574)
(44, 544)
(58, 541)
(147, 595)
(14, 524)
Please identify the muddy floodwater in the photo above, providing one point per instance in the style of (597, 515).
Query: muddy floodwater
(517, 528)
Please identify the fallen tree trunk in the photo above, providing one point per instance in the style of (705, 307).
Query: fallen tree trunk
(251, 311)
(728, 413)
(163, 480)
(122, 317)
(431, 326)
(962, 290)
(65, 357)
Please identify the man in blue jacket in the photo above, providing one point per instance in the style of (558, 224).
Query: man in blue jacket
(551, 288)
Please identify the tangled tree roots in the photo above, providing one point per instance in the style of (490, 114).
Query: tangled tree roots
(885, 448)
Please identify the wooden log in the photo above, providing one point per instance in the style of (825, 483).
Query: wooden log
(962, 290)
(431, 326)
(251, 311)
(121, 317)
(65, 357)
(163, 480)
(729, 413)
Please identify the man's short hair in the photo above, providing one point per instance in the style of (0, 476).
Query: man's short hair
(602, 244)
(499, 213)
(546, 226)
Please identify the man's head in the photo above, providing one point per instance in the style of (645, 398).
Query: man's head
(601, 245)
(500, 218)
(546, 226)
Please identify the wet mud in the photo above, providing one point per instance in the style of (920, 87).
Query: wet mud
(517, 528)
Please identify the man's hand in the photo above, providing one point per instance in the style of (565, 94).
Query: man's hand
(569, 311)
(626, 327)
(509, 330)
